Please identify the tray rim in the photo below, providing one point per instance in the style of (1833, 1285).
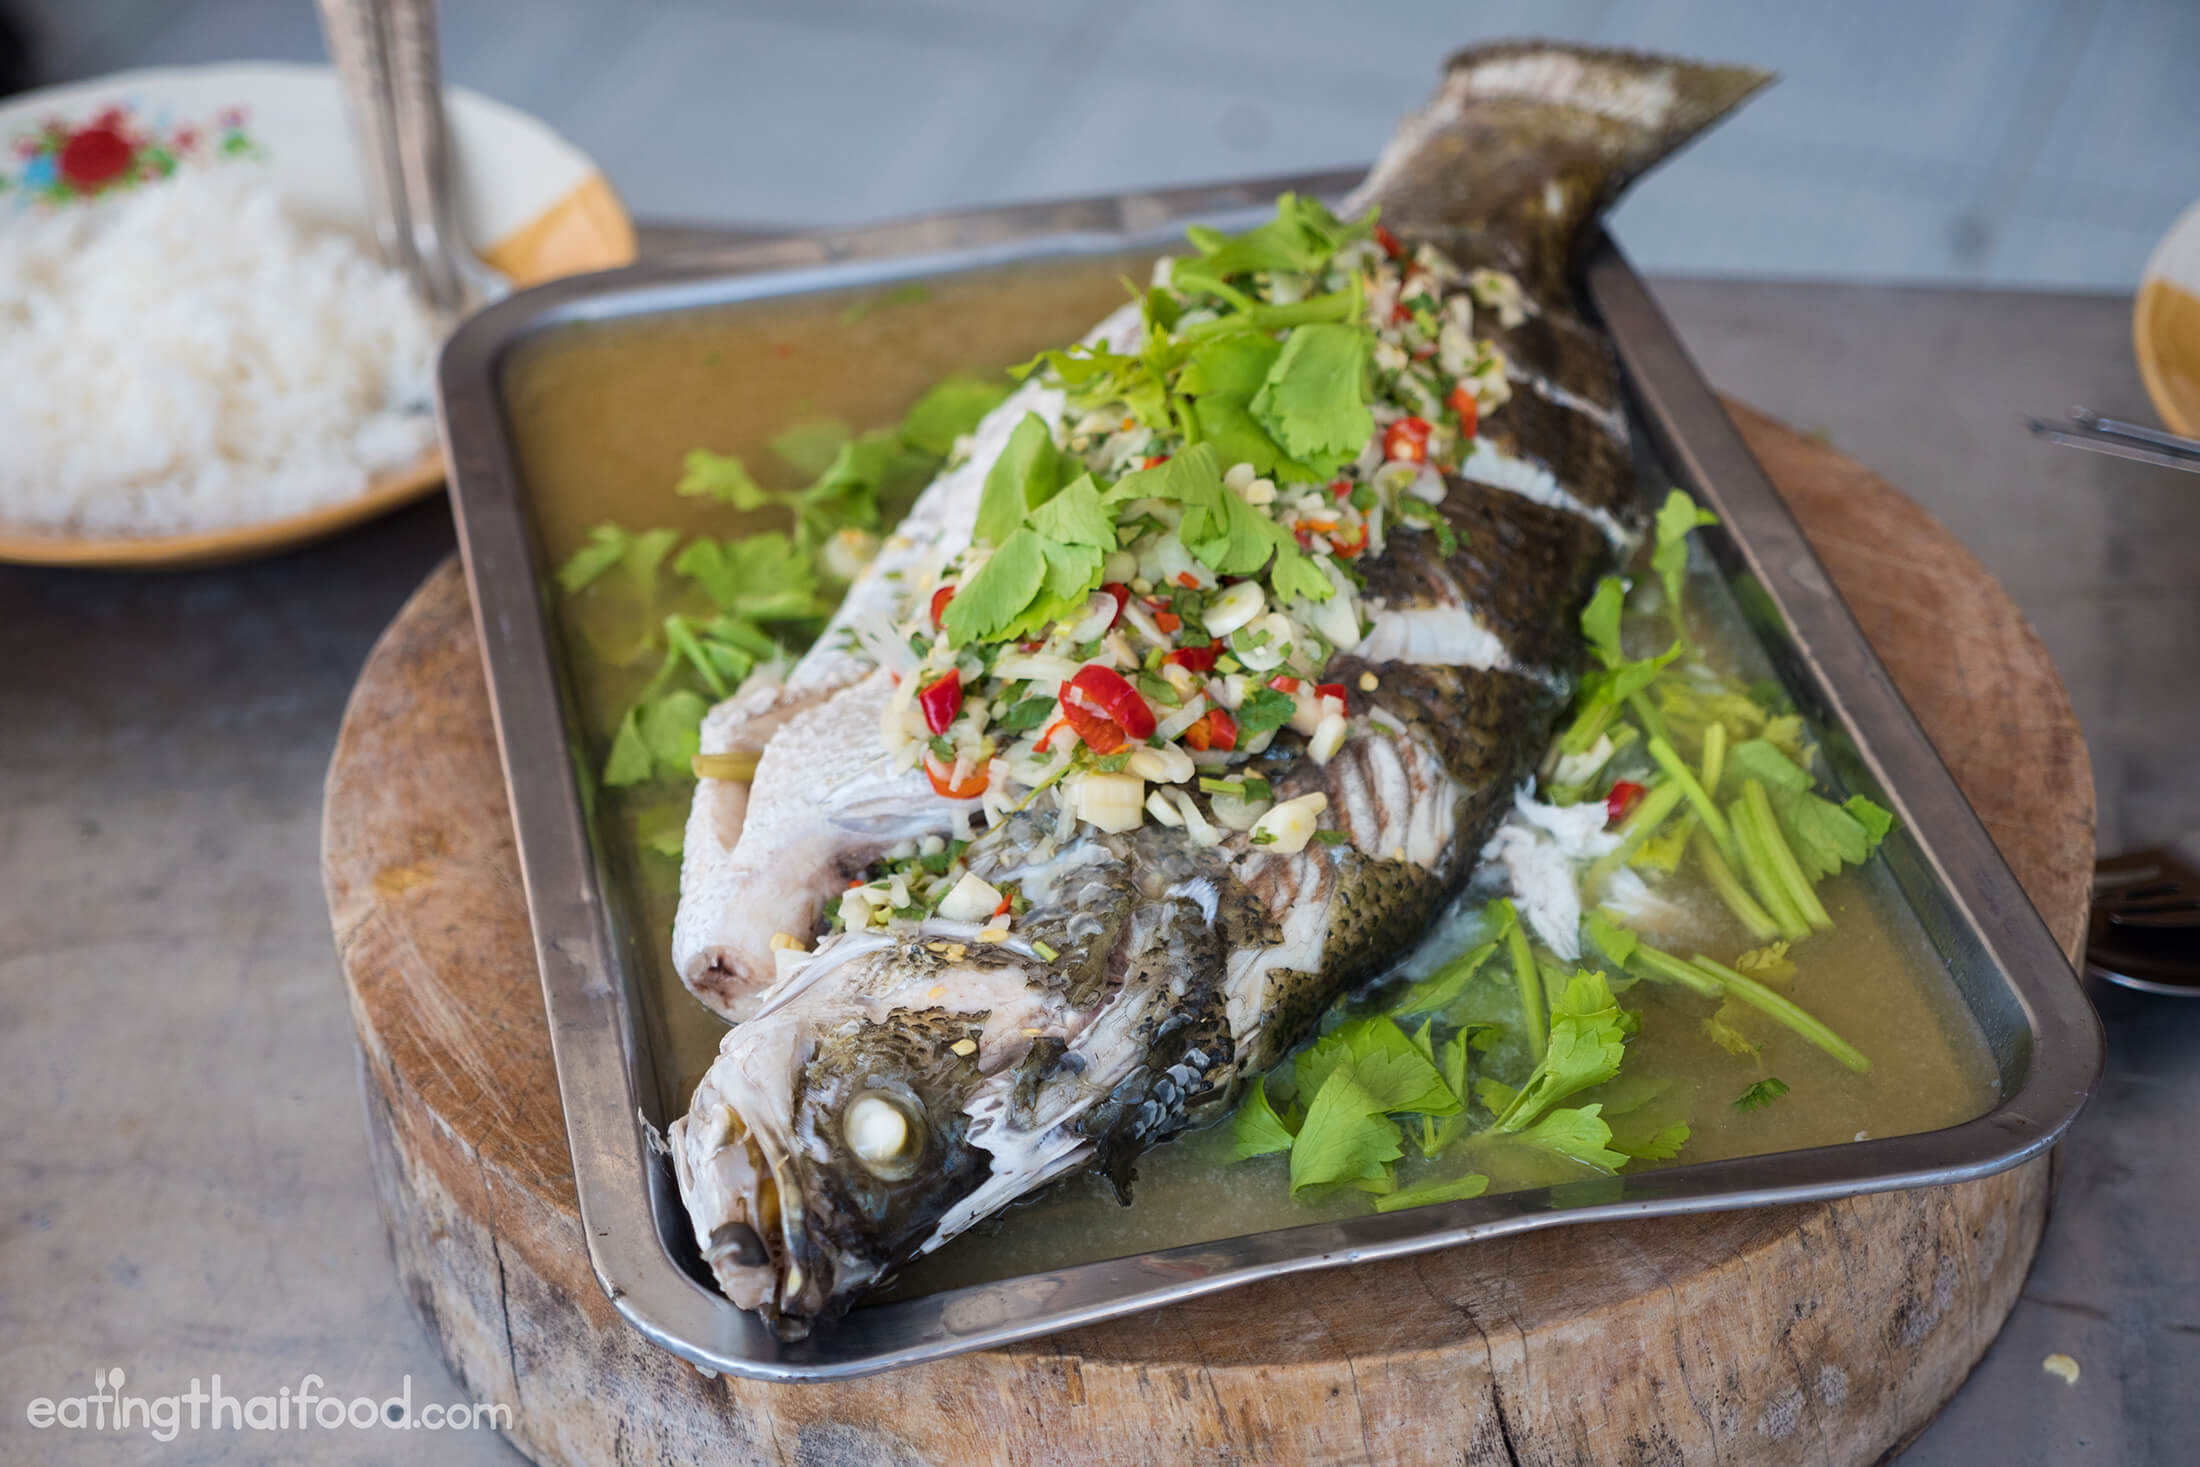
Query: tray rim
(598, 1034)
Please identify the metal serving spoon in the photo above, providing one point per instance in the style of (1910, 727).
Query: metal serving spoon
(386, 55)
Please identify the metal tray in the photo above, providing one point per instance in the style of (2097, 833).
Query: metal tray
(2044, 1038)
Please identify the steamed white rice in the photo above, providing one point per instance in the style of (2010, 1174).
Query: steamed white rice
(185, 356)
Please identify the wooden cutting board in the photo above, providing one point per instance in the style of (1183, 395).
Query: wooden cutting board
(1823, 1333)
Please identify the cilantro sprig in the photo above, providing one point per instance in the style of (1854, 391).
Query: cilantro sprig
(731, 604)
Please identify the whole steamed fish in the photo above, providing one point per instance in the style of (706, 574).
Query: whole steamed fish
(1181, 704)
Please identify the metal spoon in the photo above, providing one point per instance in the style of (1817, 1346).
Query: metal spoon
(386, 55)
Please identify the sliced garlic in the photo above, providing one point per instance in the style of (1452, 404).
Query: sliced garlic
(1196, 824)
(1290, 825)
(1234, 608)
(1158, 806)
(972, 900)
(1166, 764)
(1111, 802)
(1328, 737)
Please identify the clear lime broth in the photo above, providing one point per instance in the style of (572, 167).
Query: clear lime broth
(602, 414)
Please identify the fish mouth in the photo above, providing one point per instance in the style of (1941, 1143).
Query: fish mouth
(734, 1155)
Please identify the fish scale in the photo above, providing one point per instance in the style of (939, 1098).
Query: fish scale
(1181, 969)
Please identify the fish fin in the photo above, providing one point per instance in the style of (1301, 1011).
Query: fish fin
(1526, 142)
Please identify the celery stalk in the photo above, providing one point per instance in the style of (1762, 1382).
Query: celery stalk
(1663, 967)
(1530, 980)
(1714, 757)
(1637, 828)
(1757, 865)
(1783, 860)
(1732, 892)
(1678, 771)
(1759, 997)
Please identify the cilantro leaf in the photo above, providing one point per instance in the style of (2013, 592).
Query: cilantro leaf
(720, 476)
(1723, 1029)
(1588, 1038)
(629, 761)
(761, 576)
(608, 546)
(1458, 1189)
(1579, 1133)
(1600, 621)
(993, 598)
(1262, 710)
(1761, 1094)
(1231, 367)
(1616, 942)
(1236, 435)
(1394, 1073)
(1757, 759)
(1256, 1129)
(1677, 517)
(950, 409)
(1442, 988)
(1660, 1144)
(1075, 517)
(1025, 715)
(1822, 835)
(1301, 238)
(1021, 479)
(1344, 1138)
(1313, 401)
(810, 447)
(672, 728)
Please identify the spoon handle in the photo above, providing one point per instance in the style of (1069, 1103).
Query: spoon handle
(358, 44)
(424, 151)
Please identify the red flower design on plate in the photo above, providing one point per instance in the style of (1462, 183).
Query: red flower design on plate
(95, 155)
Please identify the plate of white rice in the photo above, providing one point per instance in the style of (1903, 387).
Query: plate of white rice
(205, 358)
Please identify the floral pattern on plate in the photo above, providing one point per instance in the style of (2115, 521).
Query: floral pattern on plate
(115, 150)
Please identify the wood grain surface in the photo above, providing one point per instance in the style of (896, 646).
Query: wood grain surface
(1820, 1334)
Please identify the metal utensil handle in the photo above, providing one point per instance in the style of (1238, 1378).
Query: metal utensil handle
(2136, 432)
(424, 150)
(353, 30)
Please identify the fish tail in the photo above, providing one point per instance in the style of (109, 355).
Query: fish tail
(1527, 142)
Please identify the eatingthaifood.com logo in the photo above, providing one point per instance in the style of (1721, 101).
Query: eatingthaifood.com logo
(307, 1406)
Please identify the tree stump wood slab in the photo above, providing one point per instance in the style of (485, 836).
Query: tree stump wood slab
(1822, 1333)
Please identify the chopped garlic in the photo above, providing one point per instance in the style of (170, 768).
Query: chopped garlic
(1291, 824)
(1112, 802)
(972, 900)
(1328, 738)
(964, 1047)
(1234, 608)
(1202, 833)
(1369, 682)
(788, 942)
(1239, 477)
(1166, 764)
(993, 934)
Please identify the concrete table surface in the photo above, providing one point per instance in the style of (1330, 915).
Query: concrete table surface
(183, 1175)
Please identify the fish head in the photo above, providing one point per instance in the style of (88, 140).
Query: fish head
(834, 1134)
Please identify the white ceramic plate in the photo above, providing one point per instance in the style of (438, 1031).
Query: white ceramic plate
(530, 203)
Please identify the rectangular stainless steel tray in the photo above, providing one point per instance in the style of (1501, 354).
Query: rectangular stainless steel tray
(2042, 1033)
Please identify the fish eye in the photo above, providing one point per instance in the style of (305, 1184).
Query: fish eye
(884, 1133)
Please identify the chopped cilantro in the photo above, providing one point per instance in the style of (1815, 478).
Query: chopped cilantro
(1264, 709)
(1761, 1094)
(1676, 519)
(1313, 401)
(1025, 715)
(811, 446)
